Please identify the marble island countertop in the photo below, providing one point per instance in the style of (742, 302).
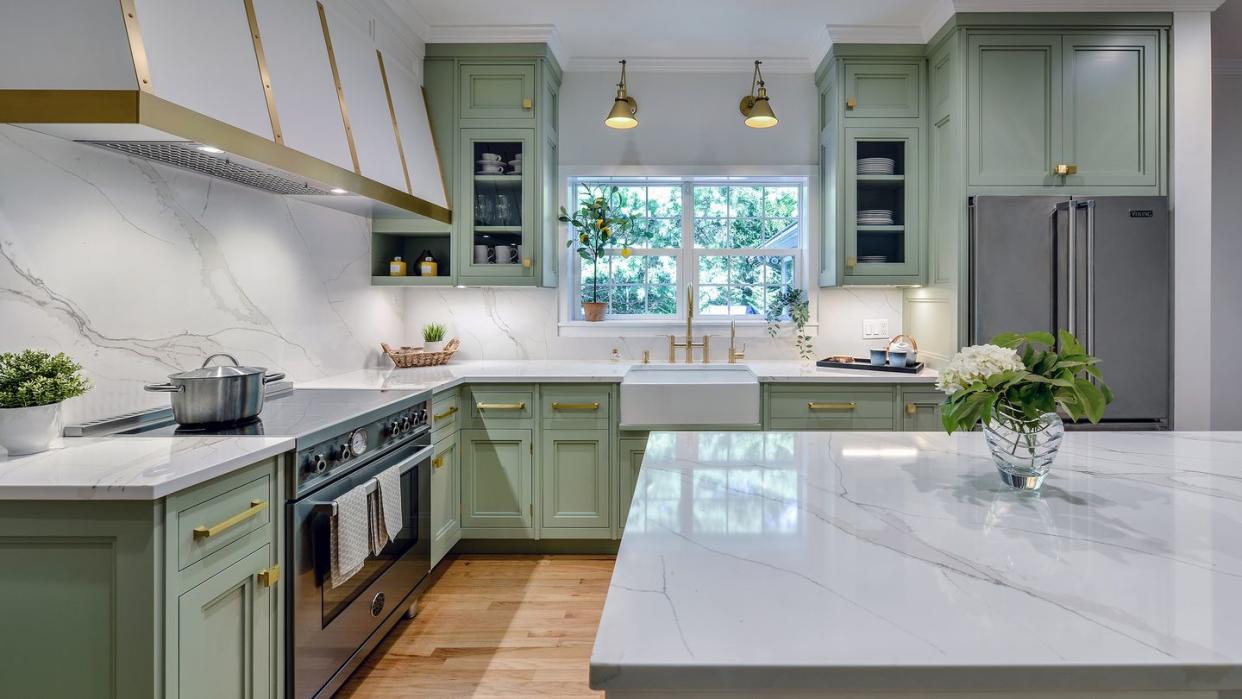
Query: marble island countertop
(897, 562)
(129, 468)
(442, 378)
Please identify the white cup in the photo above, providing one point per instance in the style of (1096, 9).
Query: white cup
(483, 255)
(504, 255)
(492, 157)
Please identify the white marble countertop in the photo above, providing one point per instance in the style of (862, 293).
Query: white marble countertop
(129, 468)
(897, 562)
(441, 378)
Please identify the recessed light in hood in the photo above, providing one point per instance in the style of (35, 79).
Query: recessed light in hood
(200, 159)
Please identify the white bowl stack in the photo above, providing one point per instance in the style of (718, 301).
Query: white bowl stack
(876, 166)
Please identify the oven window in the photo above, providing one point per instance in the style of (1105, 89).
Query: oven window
(335, 600)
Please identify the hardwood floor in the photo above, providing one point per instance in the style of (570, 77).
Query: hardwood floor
(493, 626)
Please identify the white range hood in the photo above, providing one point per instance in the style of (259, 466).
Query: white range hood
(287, 96)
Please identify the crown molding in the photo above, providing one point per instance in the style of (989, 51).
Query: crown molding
(1086, 5)
(1227, 66)
(500, 34)
(875, 34)
(689, 65)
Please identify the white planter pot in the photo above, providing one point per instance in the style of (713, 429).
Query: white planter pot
(433, 346)
(29, 430)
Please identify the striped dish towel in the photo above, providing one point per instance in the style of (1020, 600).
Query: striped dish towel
(386, 515)
(350, 533)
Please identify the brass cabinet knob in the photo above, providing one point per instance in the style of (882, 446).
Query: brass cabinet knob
(526, 262)
(911, 408)
(437, 462)
(527, 103)
(1064, 169)
(269, 576)
(851, 261)
(850, 103)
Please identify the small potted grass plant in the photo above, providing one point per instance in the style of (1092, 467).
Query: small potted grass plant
(33, 384)
(433, 337)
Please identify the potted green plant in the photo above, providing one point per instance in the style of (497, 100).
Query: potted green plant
(1018, 385)
(433, 337)
(597, 229)
(792, 303)
(33, 384)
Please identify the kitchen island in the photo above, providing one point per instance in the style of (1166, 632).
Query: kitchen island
(897, 565)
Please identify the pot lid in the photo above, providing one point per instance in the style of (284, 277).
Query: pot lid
(218, 372)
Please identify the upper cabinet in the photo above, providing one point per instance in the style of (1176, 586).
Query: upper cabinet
(1080, 109)
(201, 56)
(498, 91)
(881, 90)
(301, 76)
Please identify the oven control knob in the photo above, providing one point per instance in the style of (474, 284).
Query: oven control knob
(420, 417)
(344, 453)
(318, 464)
(395, 428)
(405, 423)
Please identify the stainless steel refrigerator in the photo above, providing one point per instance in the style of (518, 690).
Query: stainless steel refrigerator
(1098, 266)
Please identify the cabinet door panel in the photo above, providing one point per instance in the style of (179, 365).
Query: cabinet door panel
(1014, 105)
(629, 461)
(575, 478)
(882, 90)
(498, 91)
(920, 410)
(496, 478)
(885, 254)
(1111, 113)
(224, 633)
(445, 498)
(498, 208)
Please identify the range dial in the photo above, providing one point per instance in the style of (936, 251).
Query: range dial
(358, 442)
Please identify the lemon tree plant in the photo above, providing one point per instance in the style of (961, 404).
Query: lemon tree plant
(598, 228)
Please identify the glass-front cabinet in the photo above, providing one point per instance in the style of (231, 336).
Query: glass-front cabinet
(881, 210)
(497, 211)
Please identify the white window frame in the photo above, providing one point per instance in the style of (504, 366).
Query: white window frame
(572, 325)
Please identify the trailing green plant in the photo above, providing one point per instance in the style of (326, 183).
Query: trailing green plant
(793, 303)
(1019, 377)
(433, 332)
(598, 229)
(33, 377)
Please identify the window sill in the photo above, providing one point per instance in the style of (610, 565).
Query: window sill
(663, 328)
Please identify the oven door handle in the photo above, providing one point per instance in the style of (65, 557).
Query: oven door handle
(329, 508)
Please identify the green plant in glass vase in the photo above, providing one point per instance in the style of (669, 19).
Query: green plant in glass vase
(1018, 386)
(598, 228)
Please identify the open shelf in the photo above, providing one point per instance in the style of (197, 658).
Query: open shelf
(499, 179)
(880, 229)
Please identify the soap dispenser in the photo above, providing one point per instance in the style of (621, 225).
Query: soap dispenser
(397, 267)
(427, 264)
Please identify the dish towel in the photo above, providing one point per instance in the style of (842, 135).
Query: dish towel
(350, 531)
(387, 515)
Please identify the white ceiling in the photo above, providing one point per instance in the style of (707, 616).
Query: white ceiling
(787, 34)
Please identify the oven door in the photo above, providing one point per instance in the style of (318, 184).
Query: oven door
(332, 629)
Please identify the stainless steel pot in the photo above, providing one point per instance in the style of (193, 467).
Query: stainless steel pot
(216, 394)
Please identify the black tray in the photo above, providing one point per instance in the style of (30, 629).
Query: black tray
(865, 363)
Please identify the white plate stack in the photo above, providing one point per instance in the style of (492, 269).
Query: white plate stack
(875, 217)
(876, 166)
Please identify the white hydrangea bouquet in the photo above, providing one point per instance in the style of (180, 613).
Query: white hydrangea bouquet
(1019, 378)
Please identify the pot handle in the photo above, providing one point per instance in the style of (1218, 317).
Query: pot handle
(229, 357)
(163, 388)
(275, 376)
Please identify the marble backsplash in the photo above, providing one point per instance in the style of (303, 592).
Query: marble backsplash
(496, 323)
(138, 270)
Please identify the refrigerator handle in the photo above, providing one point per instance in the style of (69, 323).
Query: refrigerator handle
(1089, 287)
(1071, 263)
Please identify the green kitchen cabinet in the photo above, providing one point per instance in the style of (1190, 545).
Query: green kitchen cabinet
(1086, 100)
(920, 409)
(446, 504)
(496, 481)
(892, 252)
(884, 90)
(574, 474)
(225, 629)
(498, 91)
(502, 215)
(630, 451)
(500, 100)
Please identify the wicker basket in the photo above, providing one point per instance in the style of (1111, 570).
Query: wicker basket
(409, 357)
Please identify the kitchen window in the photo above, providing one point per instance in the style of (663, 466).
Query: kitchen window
(737, 240)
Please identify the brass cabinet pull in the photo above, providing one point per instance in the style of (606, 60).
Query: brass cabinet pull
(501, 406)
(437, 462)
(269, 576)
(831, 406)
(911, 408)
(256, 506)
(1065, 169)
(851, 261)
(527, 103)
(575, 406)
(446, 413)
(851, 103)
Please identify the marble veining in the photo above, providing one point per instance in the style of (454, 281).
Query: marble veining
(898, 562)
(130, 468)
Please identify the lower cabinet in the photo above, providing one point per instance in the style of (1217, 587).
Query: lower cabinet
(630, 450)
(446, 505)
(574, 474)
(496, 482)
(225, 631)
(830, 407)
(920, 410)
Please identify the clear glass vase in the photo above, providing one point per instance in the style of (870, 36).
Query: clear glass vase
(1023, 449)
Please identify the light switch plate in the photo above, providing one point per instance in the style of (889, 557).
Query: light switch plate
(875, 329)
